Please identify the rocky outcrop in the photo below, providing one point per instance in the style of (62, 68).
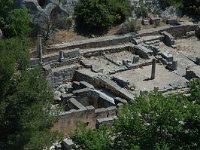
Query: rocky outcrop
(47, 15)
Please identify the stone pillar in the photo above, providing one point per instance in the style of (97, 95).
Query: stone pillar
(153, 71)
(61, 56)
(39, 47)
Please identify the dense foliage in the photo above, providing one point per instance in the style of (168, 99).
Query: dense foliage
(13, 21)
(92, 139)
(153, 122)
(98, 15)
(25, 100)
(191, 7)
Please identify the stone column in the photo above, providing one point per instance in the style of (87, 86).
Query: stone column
(153, 71)
(61, 56)
(39, 47)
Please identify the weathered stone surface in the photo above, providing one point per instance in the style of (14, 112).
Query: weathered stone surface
(168, 39)
(167, 56)
(108, 121)
(142, 51)
(121, 81)
(145, 21)
(112, 86)
(74, 104)
(86, 84)
(97, 68)
(120, 100)
(172, 21)
(66, 97)
(49, 15)
(67, 144)
(86, 63)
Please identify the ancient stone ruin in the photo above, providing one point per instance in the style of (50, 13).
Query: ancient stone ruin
(93, 78)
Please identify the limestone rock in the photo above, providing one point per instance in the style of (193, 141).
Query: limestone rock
(50, 14)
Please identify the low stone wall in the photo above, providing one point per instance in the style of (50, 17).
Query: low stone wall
(92, 43)
(69, 121)
(176, 31)
(66, 57)
(63, 74)
(113, 49)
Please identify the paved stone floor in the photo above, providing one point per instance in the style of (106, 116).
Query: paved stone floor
(140, 78)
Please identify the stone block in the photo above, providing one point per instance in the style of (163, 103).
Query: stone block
(101, 112)
(135, 59)
(120, 100)
(172, 21)
(86, 63)
(142, 51)
(168, 39)
(108, 121)
(167, 56)
(34, 62)
(67, 144)
(145, 21)
(65, 97)
(121, 81)
(112, 111)
(97, 69)
(76, 85)
(74, 104)
(86, 85)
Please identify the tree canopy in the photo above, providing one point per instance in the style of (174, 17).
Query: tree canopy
(13, 21)
(98, 15)
(25, 100)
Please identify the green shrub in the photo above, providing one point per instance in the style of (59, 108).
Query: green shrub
(98, 15)
(17, 23)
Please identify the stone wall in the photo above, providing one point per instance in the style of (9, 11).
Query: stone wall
(60, 75)
(176, 31)
(92, 43)
(69, 121)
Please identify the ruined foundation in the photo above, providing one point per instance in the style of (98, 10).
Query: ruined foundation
(93, 78)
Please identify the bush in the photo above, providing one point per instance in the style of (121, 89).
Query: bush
(17, 23)
(92, 139)
(98, 15)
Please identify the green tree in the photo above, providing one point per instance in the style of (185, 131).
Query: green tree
(17, 23)
(98, 15)
(25, 100)
(88, 139)
(13, 21)
(158, 122)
